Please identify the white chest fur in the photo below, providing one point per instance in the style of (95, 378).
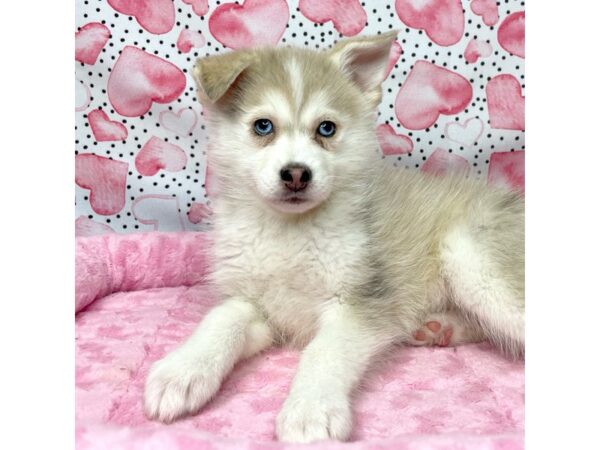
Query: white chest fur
(289, 270)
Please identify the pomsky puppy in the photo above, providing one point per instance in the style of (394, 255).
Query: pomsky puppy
(320, 244)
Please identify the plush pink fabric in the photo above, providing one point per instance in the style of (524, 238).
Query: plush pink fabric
(419, 398)
(114, 262)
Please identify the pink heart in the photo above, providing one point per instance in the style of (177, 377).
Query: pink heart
(83, 96)
(181, 123)
(348, 16)
(507, 169)
(157, 154)
(476, 49)
(105, 178)
(441, 162)
(200, 7)
(155, 16)
(160, 211)
(392, 143)
(254, 23)
(442, 20)
(89, 42)
(105, 129)
(506, 105)
(511, 34)
(188, 39)
(487, 9)
(198, 212)
(138, 79)
(429, 91)
(466, 133)
(87, 227)
(395, 53)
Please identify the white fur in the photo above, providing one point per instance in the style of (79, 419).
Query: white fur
(290, 272)
(190, 375)
(293, 149)
(273, 101)
(297, 83)
(318, 405)
(477, 287)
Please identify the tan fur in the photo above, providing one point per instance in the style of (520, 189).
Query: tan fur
(411, 214)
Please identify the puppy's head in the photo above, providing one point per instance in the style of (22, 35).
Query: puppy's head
(289, 126)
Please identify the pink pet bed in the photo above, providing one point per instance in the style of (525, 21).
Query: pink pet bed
(138, 296)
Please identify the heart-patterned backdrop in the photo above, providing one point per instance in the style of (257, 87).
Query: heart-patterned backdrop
(453, 99)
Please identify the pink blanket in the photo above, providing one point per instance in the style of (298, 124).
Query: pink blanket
(138, 296)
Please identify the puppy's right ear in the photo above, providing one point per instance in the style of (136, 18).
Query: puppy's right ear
(216, 74)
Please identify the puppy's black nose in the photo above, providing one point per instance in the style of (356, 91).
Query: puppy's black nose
(295, 177)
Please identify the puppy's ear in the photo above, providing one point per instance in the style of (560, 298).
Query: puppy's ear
(215, 75)
(364, 59)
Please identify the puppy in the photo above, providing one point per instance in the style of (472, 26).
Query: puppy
(321, 245)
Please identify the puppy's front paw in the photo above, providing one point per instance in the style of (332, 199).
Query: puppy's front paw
(305, 419)
(177, 386)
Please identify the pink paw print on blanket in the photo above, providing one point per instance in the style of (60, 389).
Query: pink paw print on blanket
(253, 23)
(348, 16)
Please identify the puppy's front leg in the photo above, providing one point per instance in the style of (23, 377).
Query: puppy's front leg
(183, 381)
(318, 405)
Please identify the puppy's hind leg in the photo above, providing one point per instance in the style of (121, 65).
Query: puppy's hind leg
(183, 381)
(484, 271)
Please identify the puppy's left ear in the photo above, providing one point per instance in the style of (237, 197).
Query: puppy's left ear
(364, 59)
(215, 75)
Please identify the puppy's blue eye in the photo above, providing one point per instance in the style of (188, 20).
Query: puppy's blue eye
(262, 127)
(326, 128)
